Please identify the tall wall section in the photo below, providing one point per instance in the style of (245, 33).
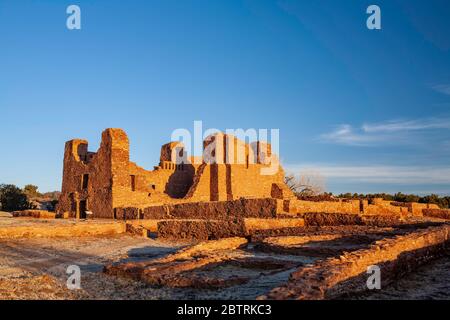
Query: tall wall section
(87, 179)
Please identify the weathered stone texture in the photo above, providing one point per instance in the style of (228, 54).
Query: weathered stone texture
(215, 229)
(46, 230)
(248, 208)
(200, 229)
(255, 224)
(437, 213)
(339, 219)
(374, 207)
(342, 206)
(40, 214)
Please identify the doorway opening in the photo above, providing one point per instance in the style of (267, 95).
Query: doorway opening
(83, 209)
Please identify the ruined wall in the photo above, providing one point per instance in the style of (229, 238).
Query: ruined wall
(200, 229)
(39, 214)
(380, 206)
(341, 206)
(63, 230)
(135, 186)
(437, 213)
(219, 210)
(219, 182)
(321, 219)
(87, 177)
(374, 207)
(235, 169)
(103, 181)
(332, 277)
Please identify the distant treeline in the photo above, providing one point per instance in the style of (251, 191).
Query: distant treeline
(13, 198)
(443, 202)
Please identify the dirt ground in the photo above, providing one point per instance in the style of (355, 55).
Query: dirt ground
(35, 268)
(24, 262)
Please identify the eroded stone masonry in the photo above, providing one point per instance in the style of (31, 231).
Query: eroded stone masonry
(103, 181)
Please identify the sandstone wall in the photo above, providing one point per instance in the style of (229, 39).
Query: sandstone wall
(64, 230)
(97, 167)
(40, 214)
(220, 182)
(219, 210)
(380, 206)
(338, 219)
(437, 213)
(102, 181)
(254, 224)
(200, 229)
(375, 207)
(341, 206)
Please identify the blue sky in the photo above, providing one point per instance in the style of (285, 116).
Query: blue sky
(367, 109)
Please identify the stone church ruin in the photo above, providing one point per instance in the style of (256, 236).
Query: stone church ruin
(103, 181)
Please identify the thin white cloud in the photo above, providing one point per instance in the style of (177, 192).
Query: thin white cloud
(442, 88)
(407, 125)
(370, 134)
(345, 134)
(378, 173)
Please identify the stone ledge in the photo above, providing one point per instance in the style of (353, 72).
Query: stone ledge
(67, 230)
(39, 214)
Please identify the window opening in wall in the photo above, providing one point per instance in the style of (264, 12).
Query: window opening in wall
(133, 182)
(85, 181)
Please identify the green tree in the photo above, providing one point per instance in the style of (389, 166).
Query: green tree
(12, 198)
(31, 191)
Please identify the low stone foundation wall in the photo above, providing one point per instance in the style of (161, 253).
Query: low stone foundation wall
(376, 206)
(437, 213)
(339, 219)
(40, 214)
(216, 229)
(253, 224)
(200, 229)
(332, 278)
(204, 229)
(341, 206)
(66, 230)
(215, 210)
